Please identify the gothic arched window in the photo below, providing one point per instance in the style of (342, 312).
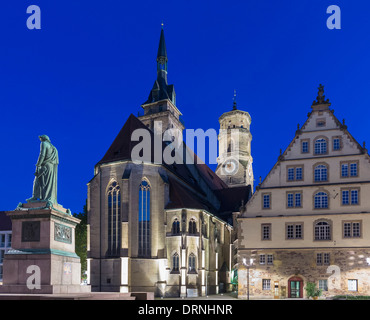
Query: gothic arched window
(175, 262)
(114, 219)
(144, 219)
(192, 226)
(192, 264)
(176, 227)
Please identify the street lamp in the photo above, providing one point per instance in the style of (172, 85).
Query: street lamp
(248, 267)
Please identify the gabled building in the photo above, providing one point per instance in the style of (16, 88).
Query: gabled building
(154, 226)
(309, 219)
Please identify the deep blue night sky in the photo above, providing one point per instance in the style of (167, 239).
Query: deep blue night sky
(93, 63)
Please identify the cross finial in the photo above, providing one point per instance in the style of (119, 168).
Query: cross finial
(234, 100)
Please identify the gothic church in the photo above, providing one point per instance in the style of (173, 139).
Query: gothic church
(167, 228)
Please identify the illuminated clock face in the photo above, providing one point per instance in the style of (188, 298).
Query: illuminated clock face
(231, 166)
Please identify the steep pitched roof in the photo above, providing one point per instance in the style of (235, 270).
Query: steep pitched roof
(182, 197)
(122, 145)
(233, 198)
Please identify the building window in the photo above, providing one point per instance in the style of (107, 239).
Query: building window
(175, 262)
(350, 197)
(349, 169)
(144, 219)
(323, 259)
(320, 123)
(337, 144)
(295, 173)
(114, 219)
(266, 231)
(192, 226)
(305, 146)
(270, 259)
(2, 240)
(321, 200)
(266, 201)
(322, 230)
(352, 229)
(266, 284)
(323, 284)
(294, 199)
(321, 173)
(192, 265)
(262, 259)
(320, 146)
(294, 231)
(352, 284)
(176, 227)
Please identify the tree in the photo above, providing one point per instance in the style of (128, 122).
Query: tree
(81, 239)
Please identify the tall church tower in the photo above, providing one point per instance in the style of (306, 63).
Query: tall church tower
(161, 103)
(235, 159)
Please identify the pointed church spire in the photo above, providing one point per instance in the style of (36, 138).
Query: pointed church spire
(162, 53)
(161, 89)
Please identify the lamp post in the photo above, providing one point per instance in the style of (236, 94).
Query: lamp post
(248, 267)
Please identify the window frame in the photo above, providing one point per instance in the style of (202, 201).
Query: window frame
(192, 263)
(340, 143)
(175, 266)
(320, 231)
(294, 194)
(144, 239)
(114, 223)
(350, 196)
(294, 232)
(314, 200)
(351, 229)
(295, 167)
(308, 146)
(266, 284)
(324, 164)
(263, 200)
(326, 146)
(349, 163)
(268, 226)
(355, 281)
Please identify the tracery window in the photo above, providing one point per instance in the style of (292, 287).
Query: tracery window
(114, 218)
(144, 219)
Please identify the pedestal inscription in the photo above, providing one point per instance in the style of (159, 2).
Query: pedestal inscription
(30, 231)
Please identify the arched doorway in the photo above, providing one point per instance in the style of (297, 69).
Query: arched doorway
(295, 287)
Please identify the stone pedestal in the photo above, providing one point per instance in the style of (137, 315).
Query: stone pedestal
(42, 259)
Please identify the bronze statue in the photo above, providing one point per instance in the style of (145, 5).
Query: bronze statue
(46, 175)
